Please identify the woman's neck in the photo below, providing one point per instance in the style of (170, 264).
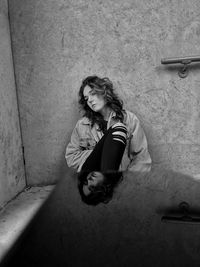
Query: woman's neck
(106, 113)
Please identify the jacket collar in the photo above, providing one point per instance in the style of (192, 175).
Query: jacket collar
(86, 121)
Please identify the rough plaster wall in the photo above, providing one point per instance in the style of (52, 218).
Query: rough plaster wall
(12, 178)
(58, 43)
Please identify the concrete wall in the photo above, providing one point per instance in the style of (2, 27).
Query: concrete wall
(12, 179)
(58, 43)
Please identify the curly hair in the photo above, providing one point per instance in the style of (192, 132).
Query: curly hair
(101, 193)
(104, 87)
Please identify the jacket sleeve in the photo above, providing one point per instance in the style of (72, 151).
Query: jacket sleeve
(75, 155)
(140, 160)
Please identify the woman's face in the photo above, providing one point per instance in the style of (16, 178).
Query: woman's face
(94, 101)
(93, 179)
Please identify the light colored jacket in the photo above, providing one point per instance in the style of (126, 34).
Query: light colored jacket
(84, 137)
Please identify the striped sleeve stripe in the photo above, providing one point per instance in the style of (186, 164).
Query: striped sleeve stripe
(120, 138)
(120, 127)
(117, 139)
(118, 124)
(120, 130)
(119, 133)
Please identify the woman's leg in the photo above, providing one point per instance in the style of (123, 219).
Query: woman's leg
(108, 152)
(93, 162)
(113, 148)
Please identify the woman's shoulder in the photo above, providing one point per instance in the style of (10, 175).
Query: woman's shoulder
(131, 121)
(129, 115)
(83, 121)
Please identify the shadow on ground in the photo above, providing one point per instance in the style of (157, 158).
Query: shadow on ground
(128, 231)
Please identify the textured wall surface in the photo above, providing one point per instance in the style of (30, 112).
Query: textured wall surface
(58, 43)
(12, 178)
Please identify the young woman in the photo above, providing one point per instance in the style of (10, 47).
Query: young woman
(106, 139)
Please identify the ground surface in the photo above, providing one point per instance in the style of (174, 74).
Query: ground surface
(15, 215)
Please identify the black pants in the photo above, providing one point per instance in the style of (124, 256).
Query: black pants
(108, 152)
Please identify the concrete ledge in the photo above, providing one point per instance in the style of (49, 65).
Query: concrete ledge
(17, 214)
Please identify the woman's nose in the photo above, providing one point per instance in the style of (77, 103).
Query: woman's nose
(90, 99)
